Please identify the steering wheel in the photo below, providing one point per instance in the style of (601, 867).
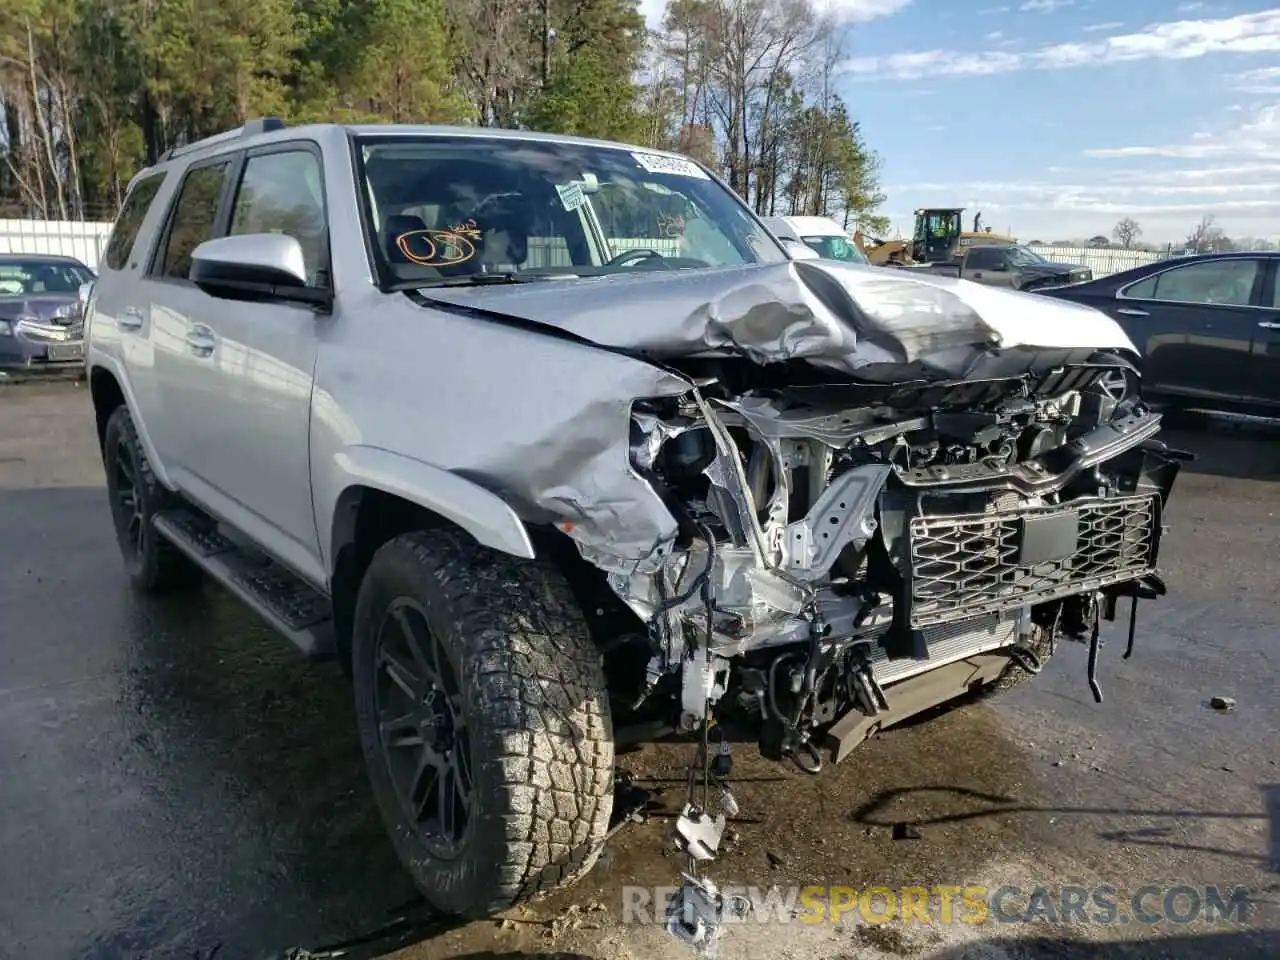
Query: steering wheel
(638, 255)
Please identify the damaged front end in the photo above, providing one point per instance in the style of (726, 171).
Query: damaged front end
(865, 493)
(836, 540)
(847, 478)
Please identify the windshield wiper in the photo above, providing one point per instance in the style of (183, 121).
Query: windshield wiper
(481, 280)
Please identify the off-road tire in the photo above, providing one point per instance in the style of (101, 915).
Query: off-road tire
(536, 712)
(156, 566)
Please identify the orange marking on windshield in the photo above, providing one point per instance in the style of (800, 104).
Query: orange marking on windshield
(445, 248)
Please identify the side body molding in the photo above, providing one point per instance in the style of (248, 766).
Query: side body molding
(483, 514)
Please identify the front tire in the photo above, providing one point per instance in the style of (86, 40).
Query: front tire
(484, 719)
(154, 564)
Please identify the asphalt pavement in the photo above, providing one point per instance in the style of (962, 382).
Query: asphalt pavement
(176, 782)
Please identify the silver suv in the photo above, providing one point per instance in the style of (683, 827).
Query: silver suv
(551, 442)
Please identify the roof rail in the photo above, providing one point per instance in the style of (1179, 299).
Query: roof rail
(250, 129)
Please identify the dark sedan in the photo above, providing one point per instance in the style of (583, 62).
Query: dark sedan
(1208, 326)
(41, 308)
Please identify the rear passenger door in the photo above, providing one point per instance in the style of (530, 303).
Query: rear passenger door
(173, 308)
(118, 325)
(249, 375)
(1194, 325)
(1265, 357)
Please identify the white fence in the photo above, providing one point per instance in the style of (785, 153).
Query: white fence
(84, 240)
(1103, 261)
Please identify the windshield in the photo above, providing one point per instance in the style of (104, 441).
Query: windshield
(27, 277)
(835, 248)
(1024, 256)
(450, 208)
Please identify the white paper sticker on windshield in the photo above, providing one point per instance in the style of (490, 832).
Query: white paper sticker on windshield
(679, 166)
(571, 196)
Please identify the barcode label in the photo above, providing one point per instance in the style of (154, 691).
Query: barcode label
(679, 166)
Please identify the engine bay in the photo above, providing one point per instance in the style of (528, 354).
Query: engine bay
(837, 538)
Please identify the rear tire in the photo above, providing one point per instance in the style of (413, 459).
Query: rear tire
(154, 564)
(484, 719)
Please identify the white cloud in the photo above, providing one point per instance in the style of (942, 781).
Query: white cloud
(851, 11)
(1232, 173)
(860, 11)
(1258, 138)
(1085, 196)
(1045, 6)
(1190, 7)
(1181, 40)
(1265, 80)
(991, 11)
(1098, 27)
(995, 35)
(1050, 211)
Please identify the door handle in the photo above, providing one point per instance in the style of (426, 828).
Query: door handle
(201, 340)
(1133, 312)
(130, 318)
(1269, 325)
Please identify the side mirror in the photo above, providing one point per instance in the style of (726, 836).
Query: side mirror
(256, 267)
(799, 250)
(83, 294)
(999, 267)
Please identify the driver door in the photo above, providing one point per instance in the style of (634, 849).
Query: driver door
(249, 405)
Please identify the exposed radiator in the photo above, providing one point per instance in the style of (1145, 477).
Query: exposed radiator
(947, 643)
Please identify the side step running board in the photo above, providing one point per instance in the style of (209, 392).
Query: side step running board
(295, 609)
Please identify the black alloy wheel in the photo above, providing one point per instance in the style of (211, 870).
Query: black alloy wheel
(135, 496)
(422, 729)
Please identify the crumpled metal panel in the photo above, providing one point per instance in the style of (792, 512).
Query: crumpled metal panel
(578, 471)
(565, 458)
(882, 324)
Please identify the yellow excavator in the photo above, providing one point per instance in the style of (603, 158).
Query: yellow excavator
(939, 237)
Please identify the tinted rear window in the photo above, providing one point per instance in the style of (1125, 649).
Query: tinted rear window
(125, 233)
(192, 220)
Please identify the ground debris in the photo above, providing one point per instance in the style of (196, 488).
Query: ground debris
(1224, 704)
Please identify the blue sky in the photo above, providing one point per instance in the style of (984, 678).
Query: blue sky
(1058, 117)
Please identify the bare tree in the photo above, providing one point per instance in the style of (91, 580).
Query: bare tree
(758, 44)
(1206, 236)
(1126, 232)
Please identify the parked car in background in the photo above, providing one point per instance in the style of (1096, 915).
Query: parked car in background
(822, 235)
(1208, 326)
(41, 309)
(1011, 265)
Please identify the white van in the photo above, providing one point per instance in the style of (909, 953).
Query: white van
(821, 234)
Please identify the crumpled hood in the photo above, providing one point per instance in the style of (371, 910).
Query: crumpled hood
(41, 305)
(878, 324)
